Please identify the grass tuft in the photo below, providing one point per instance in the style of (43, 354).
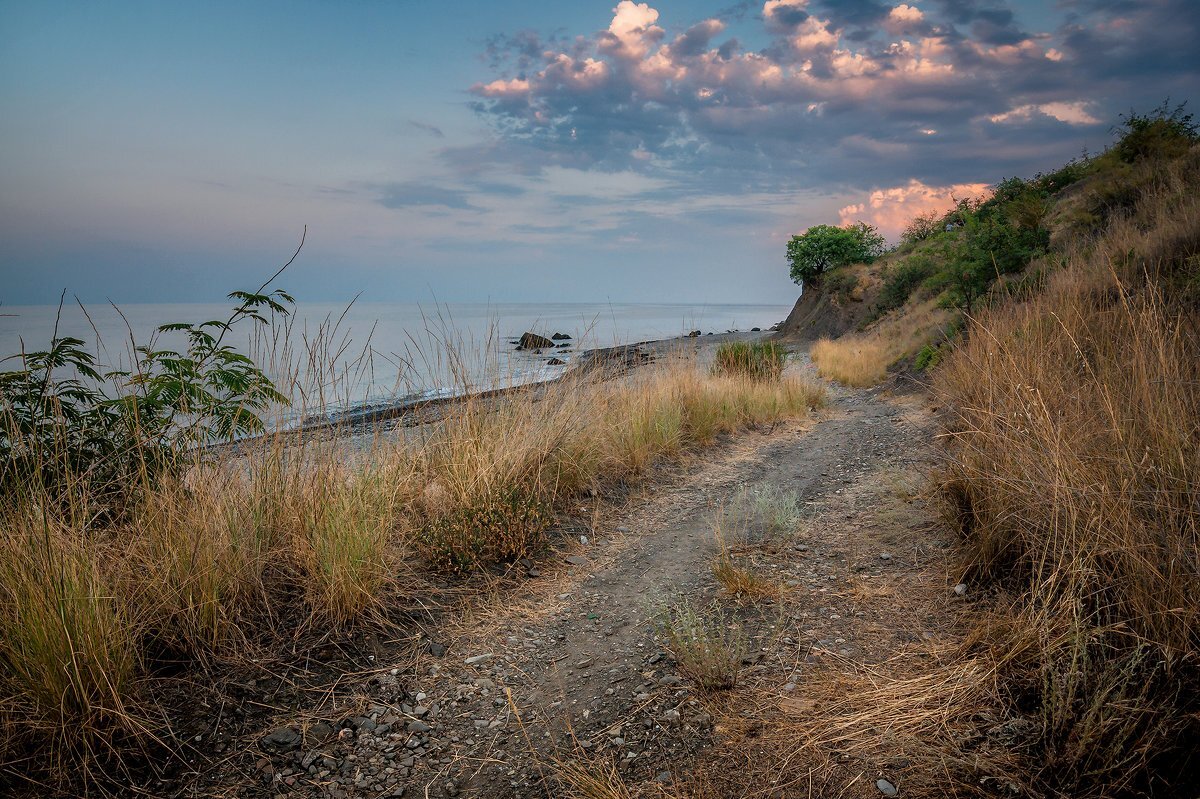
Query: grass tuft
(707, 644)
(760, 360)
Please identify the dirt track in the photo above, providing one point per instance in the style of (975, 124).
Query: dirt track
(567, 665)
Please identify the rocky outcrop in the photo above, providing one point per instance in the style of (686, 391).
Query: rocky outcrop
(532, 341)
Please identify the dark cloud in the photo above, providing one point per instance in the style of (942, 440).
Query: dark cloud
(846, 93)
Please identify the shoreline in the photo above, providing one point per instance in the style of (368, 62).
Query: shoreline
(377, 417)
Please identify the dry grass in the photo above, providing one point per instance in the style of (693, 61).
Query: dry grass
(593, 779)
(862, 360)
(1072, 470)
(205, 563)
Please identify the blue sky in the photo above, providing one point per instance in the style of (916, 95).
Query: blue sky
(575, 151)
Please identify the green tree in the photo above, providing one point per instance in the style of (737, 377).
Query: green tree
(825, 247)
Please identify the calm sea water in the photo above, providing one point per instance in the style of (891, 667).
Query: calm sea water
(336, 356)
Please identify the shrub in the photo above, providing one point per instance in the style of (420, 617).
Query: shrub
(840, 283)
(63, 419)
(708, 645)
(928, 357)
(921, 227)
(900, 282)
(761, 360)
(503, 524)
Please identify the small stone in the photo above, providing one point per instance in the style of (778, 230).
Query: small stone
(576, 560)
(670, 679)
(961, 589)
(418, 726)
(664, 777)
(622, 529)
(475, 659)
(886, 788)
(282, 739)
(671, 717)
(435, 649)
(885, 556)
(534, 572)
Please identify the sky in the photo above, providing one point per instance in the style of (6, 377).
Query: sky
(530, 151)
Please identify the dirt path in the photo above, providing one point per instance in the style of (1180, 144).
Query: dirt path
(570, 666)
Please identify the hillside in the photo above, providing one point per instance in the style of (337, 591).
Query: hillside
(1057, 324)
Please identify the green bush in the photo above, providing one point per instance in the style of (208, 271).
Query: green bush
(66, 419)
(928, 357)
(761, 360)
(902, 281)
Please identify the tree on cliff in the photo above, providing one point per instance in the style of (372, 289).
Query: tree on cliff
(825, 247)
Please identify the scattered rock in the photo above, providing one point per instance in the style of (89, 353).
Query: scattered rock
(556, 362)
(961, 589)
(576, 560)
(694, 334)
(476, 659)
(435, 649)
(418, 726)
(885, 556)
(282, 739)
(561, 337)
(886, 788)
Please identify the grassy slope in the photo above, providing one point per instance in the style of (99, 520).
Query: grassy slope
(1071, 401)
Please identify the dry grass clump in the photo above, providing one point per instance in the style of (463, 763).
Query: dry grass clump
(742, 581)
(708, 645)
(863, 359)
(594, 779)
(851, 360)
(207, 559)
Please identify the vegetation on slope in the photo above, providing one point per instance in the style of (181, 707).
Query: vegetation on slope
(1071, 400)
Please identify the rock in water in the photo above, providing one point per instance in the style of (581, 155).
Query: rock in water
(556, 362)
(532, 341)
(561, 337)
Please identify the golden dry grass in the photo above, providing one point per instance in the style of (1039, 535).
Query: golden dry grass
(861, 360)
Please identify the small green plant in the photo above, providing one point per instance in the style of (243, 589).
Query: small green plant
(65, 419)
(927, 358)
(760, 360)
(902, 281)
(503, 524)
(707, 644)
(841, 283)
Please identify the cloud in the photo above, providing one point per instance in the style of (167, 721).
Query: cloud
(839, 96)
(432, 130)
(1072, 113)
(891, 209)
(417, 195)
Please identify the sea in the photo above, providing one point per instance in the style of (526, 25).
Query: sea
(335, 359)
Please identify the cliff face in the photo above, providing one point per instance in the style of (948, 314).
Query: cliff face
(820, 314)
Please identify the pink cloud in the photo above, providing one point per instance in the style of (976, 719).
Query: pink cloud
(891, 209)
